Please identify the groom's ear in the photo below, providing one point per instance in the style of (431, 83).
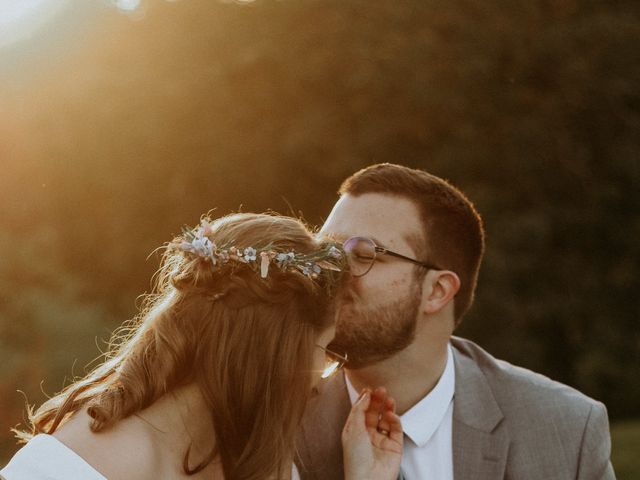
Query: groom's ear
(439, 288)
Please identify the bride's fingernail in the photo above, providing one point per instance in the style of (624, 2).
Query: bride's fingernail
(363, 394)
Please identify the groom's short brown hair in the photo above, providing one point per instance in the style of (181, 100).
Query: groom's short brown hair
(453, 232)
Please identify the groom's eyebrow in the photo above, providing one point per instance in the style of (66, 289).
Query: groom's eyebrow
(343, 238)
(377, 242)
(411, 244)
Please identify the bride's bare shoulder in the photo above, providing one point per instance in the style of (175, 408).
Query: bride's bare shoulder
(123, 451)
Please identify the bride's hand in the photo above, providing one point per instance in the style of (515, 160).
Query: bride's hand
(372, 438)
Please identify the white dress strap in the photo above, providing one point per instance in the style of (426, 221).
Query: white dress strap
(46, 458)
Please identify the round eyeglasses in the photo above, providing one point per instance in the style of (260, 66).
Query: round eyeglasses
(333, 362)
(362, 252)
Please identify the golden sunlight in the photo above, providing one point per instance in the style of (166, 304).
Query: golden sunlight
(20, 20)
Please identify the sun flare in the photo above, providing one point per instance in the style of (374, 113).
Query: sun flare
(19, 20)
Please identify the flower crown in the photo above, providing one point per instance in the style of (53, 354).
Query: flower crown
(196, 243)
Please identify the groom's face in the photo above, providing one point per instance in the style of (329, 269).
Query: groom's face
(377, 312)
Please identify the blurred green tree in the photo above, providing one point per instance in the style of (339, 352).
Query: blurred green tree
(48, 332)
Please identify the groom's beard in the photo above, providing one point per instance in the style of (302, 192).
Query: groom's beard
(371, 334)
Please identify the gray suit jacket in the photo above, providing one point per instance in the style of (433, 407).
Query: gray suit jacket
(508, 423)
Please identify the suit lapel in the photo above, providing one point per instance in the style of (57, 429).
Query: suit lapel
(480, 445)
(480, 441)
(319, 444)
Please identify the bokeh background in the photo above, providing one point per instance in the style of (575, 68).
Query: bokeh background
(121, 121)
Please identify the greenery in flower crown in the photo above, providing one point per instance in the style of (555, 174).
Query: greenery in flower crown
(327, 261)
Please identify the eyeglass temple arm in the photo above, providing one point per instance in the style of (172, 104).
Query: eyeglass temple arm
(344, 358)
(399, 255)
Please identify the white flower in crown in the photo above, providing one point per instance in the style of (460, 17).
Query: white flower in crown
(194, 246)
(185, 246)
(309, 269)
(250, 254)
(284, 259)
(202, 247)
(335, 252)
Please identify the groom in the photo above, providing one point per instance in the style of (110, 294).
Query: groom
(416, 244)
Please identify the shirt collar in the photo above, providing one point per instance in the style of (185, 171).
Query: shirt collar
(422, 420)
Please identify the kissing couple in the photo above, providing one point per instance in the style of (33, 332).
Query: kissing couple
(231, 370)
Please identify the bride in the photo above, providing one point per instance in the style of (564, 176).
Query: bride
(212, 377)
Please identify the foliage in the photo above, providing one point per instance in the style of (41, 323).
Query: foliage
(46, 327)
(531, 107)
(625, 438)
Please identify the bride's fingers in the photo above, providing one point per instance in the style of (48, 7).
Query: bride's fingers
(394, 441)
(392, 419)
(356, 420)
(390, 404)
(383, 424)
(372, 416)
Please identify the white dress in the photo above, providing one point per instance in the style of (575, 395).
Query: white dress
(46, 458)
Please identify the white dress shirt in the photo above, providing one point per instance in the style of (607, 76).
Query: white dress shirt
(427, 426)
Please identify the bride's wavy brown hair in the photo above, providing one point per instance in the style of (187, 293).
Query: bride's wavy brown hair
(247, 342)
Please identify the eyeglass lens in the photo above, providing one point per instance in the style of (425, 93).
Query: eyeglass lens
(331, 367)
(361, 253)
(333, 362)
